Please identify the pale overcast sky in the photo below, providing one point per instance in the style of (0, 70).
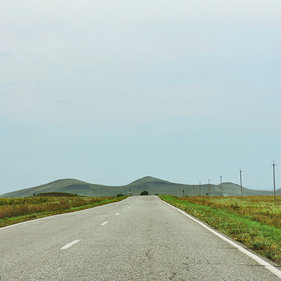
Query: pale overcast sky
(110, 91)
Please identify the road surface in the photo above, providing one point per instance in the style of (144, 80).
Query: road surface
(140, 238)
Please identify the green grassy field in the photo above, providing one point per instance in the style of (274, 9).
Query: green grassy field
(253, 221)
(14, 210)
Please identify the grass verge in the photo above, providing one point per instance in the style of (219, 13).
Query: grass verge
(15, 210)
(259, 236)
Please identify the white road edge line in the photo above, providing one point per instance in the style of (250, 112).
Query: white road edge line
(117, 214)
(69, 244)
(259, 260)
(104, 223)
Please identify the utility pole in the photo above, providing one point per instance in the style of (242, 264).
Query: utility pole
(221, 184)
(200, 188)
(183, 193)
(241, 183)
(274, 165)
(209, 187)
(187, 193)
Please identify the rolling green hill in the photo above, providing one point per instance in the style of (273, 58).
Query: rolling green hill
(150, 184)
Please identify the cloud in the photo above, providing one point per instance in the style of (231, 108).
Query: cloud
(7, 85)
(148, 60)
(4, 55)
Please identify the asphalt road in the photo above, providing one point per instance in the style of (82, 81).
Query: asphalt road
(140, 238)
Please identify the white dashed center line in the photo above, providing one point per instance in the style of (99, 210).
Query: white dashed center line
(69, 244)
(117, 214)
(104, 223)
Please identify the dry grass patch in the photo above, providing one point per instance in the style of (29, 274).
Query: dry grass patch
(253, 221)
(262, 209)
(13, 210)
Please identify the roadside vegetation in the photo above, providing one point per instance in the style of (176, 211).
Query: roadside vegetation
(252, 220)
(144, 192)
(14, 210)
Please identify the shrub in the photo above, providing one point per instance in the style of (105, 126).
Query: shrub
(120, 195)
(144, 192)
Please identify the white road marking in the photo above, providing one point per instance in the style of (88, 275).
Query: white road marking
(104, 223)
(259, 260)
(69, 244)
(117, 214)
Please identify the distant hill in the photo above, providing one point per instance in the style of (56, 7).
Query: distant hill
(66, 186)
(150, 184)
